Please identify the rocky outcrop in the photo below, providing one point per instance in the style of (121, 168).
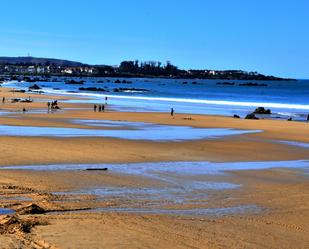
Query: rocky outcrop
(262, 110)
(251, 116)
(35, 87)
(93, 89)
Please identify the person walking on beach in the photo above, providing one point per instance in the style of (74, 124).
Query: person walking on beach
(95, 108)
(103, 108)
(308, 118)
(172, 112)
(100, 108)
(3, 100)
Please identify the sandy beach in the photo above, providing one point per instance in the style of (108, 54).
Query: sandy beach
(70, 218)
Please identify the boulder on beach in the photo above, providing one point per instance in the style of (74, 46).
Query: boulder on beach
(34, 87)
(262, 110)
(236, 116)
(251, 116)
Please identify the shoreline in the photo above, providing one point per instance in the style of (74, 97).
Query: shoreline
(279, 221)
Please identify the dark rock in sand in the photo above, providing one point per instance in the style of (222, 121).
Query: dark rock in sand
(236, 116)
(251, 116)
(15, 100)
(18, 91)
(31, 209)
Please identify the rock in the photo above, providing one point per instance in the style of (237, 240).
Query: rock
(15, 100)
(226, 83)
(262, 110)
(73, 82)
(252, 84)
(94, 89)
(290, 119)
(31, 209)
(34, 87)
(251, 116)
(126, 82)
(18, 91)
(236, 116)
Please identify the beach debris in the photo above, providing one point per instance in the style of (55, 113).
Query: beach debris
(96, 169)
(31, 209)
(188, 118)
(236, 116)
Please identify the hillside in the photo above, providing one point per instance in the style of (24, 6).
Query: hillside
(34, 60)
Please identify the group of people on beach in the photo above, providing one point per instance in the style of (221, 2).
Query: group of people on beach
(53, 105)
(100, 108)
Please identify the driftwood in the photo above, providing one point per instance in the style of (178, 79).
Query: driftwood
(96, 169)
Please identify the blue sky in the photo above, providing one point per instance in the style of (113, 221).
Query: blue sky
(269, 36)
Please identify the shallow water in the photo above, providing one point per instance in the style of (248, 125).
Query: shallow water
(181, 183)
(142, 131)
(6, 211)
(296, 144)
(182, 168)
(16, 198)
(191, 212)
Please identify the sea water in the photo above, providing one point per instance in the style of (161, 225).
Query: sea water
(285, 98)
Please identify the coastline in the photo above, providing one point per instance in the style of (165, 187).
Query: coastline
(282, 222)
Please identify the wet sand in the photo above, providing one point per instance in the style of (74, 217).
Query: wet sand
(282, 194)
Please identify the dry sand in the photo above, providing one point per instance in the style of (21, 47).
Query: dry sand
(284, 194)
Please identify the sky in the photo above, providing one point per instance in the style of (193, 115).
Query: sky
(268, 36)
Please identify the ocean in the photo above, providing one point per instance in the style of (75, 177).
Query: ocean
(216, 97)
